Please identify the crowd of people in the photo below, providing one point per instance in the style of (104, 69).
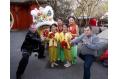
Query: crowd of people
(59, 45)
(62, 46)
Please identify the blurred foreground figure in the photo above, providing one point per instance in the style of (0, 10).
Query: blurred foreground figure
(32, 43)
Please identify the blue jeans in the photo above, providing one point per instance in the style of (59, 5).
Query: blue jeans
(88, 60)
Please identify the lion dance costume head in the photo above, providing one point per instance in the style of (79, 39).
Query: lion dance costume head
(43, 19)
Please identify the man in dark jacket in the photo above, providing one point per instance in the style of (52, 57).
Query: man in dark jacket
(32, 43)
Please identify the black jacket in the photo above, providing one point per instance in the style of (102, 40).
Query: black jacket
(32, 41)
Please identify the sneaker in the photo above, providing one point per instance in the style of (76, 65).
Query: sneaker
(52, 65)
(35, 54)
(55, 64)
(67, 65)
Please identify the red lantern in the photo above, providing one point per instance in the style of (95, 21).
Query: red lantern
(93, 22)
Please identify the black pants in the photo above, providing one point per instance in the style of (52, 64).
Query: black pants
(41, 51)
(22, 64)
(25, 58)
(88, 60)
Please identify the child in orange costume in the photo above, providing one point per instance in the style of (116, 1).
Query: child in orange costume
(73, 28)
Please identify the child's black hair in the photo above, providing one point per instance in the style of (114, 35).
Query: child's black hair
(75, 19)
(60, 18)
(53, 25)
(72, 17)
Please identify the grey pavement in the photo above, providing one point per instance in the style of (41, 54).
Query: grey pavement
(39, 69)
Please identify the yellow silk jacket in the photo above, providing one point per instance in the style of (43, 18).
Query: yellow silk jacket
(67, 37)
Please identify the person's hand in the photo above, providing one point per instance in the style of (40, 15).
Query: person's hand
(71, 44)
(42, 37)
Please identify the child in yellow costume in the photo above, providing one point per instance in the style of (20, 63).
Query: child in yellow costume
(57, 37)
(60, 50)
(65, 43)
(52, 46)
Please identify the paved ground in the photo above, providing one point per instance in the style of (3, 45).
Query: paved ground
(39, 69)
